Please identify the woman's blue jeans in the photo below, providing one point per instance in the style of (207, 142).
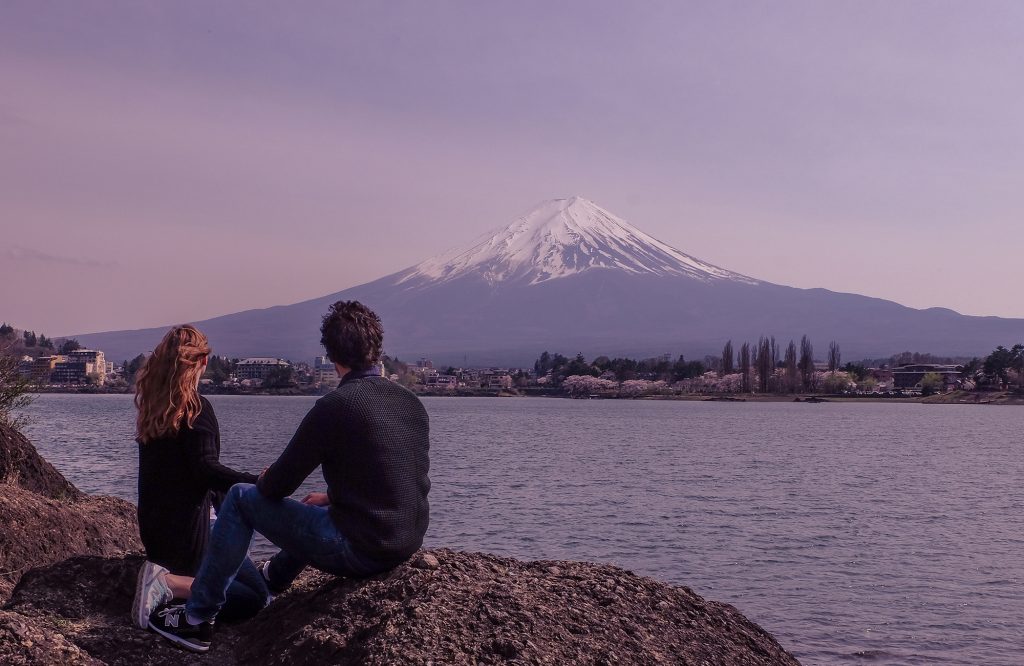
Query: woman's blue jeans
(305, 534)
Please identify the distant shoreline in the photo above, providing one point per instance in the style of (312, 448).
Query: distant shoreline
(954, 398)
(96, 390)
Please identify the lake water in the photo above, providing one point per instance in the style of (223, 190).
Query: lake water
(855, 533)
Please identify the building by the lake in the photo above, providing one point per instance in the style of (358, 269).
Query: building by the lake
(259, 367)
(324, 372)
(910, 376)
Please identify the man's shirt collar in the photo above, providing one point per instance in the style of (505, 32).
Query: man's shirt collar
(372, 371)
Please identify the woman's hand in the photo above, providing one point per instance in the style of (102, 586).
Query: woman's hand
(317, 499)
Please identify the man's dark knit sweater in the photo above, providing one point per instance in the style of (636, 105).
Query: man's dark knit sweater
(371, 437)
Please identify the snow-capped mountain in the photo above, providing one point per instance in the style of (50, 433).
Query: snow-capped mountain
(569, 276)
(563, 237)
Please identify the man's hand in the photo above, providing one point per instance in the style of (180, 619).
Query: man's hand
(263, 473)
(317, 499)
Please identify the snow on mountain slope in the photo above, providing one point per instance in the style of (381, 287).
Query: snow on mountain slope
(563, 237)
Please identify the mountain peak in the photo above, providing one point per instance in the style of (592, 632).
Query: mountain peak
(562, 237)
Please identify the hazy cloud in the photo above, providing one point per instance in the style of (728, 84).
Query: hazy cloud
(28, 254)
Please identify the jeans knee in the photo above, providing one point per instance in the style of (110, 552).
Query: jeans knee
(239, 489)
(238, 496)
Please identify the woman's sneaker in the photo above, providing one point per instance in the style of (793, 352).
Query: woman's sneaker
(171, 622)
(150, 591)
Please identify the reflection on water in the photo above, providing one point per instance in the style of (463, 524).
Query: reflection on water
(888, 533)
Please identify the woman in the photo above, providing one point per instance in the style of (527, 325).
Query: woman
(180, 477)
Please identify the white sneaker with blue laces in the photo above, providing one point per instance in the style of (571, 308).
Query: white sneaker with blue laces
(150, 591)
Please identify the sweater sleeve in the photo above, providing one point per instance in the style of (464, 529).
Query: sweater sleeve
(203, 457)
(303, 454)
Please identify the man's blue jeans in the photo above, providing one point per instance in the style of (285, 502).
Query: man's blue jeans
(247, 595)
(305, 534)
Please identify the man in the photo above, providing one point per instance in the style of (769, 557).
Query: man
(370, 436)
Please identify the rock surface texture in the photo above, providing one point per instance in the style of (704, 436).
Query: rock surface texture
(441, 607)
(471, 609)
(45, 519)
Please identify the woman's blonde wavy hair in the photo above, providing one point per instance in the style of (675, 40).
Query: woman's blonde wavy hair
(166, 387)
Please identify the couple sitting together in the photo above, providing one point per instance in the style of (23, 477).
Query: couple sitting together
(369, 436)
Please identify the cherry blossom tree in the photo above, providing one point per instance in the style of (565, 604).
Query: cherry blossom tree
(583, 385)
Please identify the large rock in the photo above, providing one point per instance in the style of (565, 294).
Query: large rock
(22, 466)
(477, 608)
(25, 641)
(45, 519)
(470, 609)
(86, 600)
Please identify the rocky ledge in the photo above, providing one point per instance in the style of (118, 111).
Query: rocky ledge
(45, 519)
(441, 607)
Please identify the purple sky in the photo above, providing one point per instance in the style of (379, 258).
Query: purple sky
(163, 162)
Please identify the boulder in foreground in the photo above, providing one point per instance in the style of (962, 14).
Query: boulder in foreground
(45, 519)
(470, 609)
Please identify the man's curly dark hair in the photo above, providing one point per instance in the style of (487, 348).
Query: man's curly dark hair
(352, 334)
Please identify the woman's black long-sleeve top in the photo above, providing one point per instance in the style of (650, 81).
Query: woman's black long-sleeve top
(178, 477)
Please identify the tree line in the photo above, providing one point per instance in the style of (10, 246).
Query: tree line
(623, 369)
(1003, 366)
(762, 367)
(766, 368)
(29, 342)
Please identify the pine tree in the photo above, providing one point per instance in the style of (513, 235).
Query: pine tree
(727, 359)
(767, 358)
(834, 357)
(806, 364)
(543, 364)
(745, 366)
(792, 370)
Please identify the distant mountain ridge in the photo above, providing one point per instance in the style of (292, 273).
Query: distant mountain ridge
(570, 276)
